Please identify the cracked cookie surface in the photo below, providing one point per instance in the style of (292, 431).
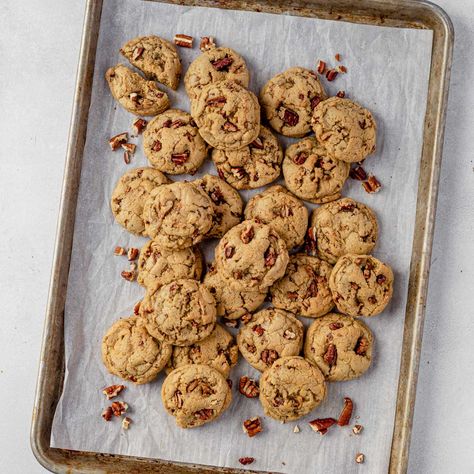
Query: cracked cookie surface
(180, 313)
(227, 114)
(156, 57)
(340, 346)
(291, 388)
(345, 129)
(304, 289)
(289, 98)
(132, 353)
(158, 267)
(218, 350)
(177, 215)
(227, 204)
(252, 166)
(195, 394)
(361, 285)
(215, 65)
(172, 143)
(270, 334)
(277, 207)
(231, 303)
(135, 94)
(311, 174)
(344, 226)
(251, 255)
(130, 194)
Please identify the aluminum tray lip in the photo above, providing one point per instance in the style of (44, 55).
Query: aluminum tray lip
(55, 460)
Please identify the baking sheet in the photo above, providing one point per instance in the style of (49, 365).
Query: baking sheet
(388, 72)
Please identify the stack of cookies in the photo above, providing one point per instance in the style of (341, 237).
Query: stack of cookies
(270, 250)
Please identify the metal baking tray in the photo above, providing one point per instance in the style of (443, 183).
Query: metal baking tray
(403, 13)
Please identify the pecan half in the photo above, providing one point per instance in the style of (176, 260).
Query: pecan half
(116, 142)
(300, 158)
(361, 346)
(222, 64)
(321, 67)
(204, 414)
(331, 75)
(216, 101)
(119, 408)
(321, 425)
(269, 356)
(252, 426)
(334, 326)
(290, 117)
(248, 387)
(270, 257)
(107, 414)
(185, 41)
(330, 356)
(139, 125)
(132, 254)
(247, 460)
(230, 127)
(346, 413)
(120, 251)
(229, 251)
(207, 43)
(247, 235)
(112, 391)
(180, 158)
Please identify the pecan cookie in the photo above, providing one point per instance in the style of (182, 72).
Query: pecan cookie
(270, 334)
(219, 350)
(304, 290)
(227, 114)
(135, 94)
(180, 313)
(177, 215)
(195, 394)
(156, 58)
(361, 285)
(215, 65)
(289, 98)
(227, 204)
(130, 194)
(311, 174)
(291, 388)
(157, 267)
(343, 226)
(172, 143)
(232, 303)
(132, 353)
(252, 256)
(340, 346)
(345, 129)
(251, 166)
(283, 211)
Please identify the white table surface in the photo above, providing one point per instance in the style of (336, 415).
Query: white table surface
(39, 47)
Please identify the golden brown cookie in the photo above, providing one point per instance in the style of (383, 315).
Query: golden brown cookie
(361, 285)
(195, 394)
(346, 130)
(277, 207)
(340, 346)
(291, 388)
(130, 194)
(218, 350)
(270, 334)
(158, 267)
(132, 353)
(304, 289)
(251, 256)
(135, 94)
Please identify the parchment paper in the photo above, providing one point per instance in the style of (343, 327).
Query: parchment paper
(388, 72)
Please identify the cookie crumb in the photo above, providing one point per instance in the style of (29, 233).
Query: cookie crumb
(126, 423)
(296, 429)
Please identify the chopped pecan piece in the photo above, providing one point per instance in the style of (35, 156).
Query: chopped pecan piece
(126, 157)
(204, 414)
(136, 308)
(231, 323)
(358, 173)
(120, 251)
(116, 141)
(185, 41)
(248, 387)
(222, 64)
(372, 299)
(312, 290)
(177, 124)
(132, 254)
(346, 413)
(156, 145)
(229, 251)
(251, 348)
(330, 356)
(300, 158)
(119, 408)
(180, 158)
(257, 143)
(112, 391)
(334, 326)
(137, 52)
(289, 334)
(247, 235)
(126, 423)
(217, 196)
(230, 127)
(321, 67)
(207, 43)
(252, 426)
(167, 124)
(178, 400)
(107, 414)
(216, 101)
(347, 207)
(269, 356)
(128, 275)
(310, 241)
(357, 429)
(270, 257)
(247, 460)
(229, 383)
(246, 318)
(135, 97)
(341, 94)
(292, 295)
(129, 148)
(361, 346)
(337, 57)
(290, 117)
(331, 75)
(321, 425)
(139, 125)
(342, 69)
(381, 279)
(360, 458)
(259, 330)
